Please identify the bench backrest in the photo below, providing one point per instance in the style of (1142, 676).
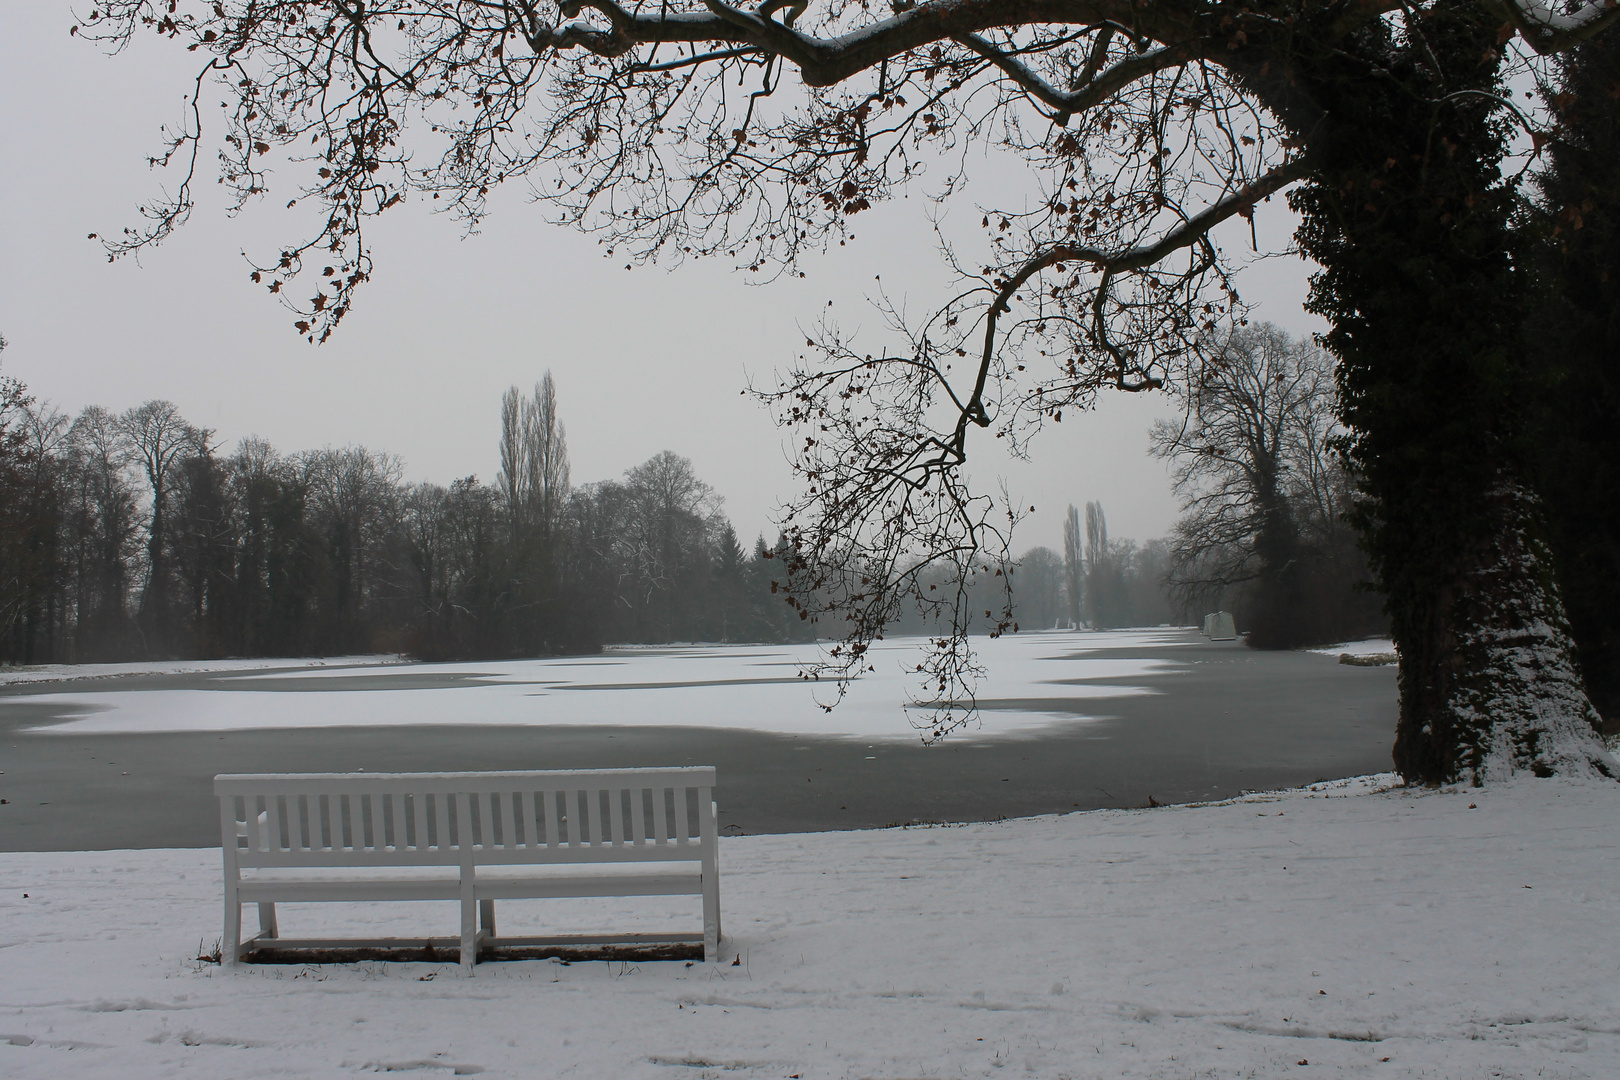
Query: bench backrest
(425, 819)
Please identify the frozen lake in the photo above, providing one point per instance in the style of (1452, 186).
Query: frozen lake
(1070, 720)
(1039, 680)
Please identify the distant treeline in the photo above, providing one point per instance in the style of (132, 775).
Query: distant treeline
(130, 536)
(1096, 582)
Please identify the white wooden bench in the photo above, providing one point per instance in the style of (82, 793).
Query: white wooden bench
(476, 837)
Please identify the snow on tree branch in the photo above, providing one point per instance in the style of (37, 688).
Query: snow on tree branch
(1547, 29)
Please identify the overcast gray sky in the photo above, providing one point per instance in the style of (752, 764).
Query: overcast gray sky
(644, 360)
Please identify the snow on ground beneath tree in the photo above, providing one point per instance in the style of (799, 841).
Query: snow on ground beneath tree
(1354, 928)
(727, 686)
(1369, 647)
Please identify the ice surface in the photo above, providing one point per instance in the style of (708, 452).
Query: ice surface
(1348, 930)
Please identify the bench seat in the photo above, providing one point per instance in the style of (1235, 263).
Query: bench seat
(538, 887)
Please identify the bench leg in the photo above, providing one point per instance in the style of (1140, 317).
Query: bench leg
(711, 918)
(230, 946)
(711, 883)
(486, 917)
(267, 919)
(469, 929)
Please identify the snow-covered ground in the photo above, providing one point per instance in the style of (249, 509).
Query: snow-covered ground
(1346, 930)
(704, 686)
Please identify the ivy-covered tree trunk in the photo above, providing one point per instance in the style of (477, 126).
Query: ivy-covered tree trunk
(1411, 223)
(1575, 333)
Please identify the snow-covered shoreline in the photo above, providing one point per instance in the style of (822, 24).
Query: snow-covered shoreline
(73, 673)
(1368, 647)
(1357, 926)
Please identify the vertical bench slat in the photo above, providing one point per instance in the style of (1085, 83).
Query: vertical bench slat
(376, 822)
(299, 823)
(420, 818)
(637, 808)
(682, 832)
(396, 806)
(465, 838)
(441, 821)
(553, 834)
(348, 828)
(508, 832)
(568, 821)
(250, 818)
(318, 835)
(295, 822)
(616, 816)
(273, 819)
(660, 820)
(526, 817)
